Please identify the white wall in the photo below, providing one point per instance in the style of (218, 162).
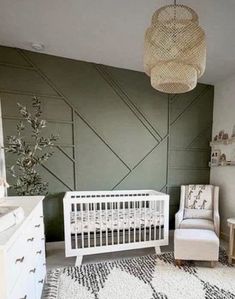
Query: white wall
(224, 119)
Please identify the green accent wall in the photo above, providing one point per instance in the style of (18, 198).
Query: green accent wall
(116, 131)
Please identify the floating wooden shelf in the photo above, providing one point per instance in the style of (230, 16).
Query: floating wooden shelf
(227, 165)
(225, 142)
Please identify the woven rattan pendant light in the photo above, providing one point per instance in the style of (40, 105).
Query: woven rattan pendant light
(175, 49)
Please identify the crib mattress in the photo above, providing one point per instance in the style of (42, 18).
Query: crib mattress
(115, 219)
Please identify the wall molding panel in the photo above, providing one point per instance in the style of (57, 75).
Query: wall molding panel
(116, 131)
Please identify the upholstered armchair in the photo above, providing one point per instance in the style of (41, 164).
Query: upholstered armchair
(199, 208)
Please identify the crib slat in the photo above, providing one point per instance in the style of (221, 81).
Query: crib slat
(88, 225)
(159, 220)
(140, 211)
(112, 224)
(145, 229)
(118, 223)
(75, 222)
(82, 233)
(150, 221)
(129, 225)
(134, 221)
(100, 216)
(94, 214)
(106, 222)
(123, 223)
(155, 220)
(118, 219)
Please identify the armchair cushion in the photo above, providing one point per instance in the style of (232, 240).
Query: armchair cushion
(197, 224)
(197, 214)
(199, 202)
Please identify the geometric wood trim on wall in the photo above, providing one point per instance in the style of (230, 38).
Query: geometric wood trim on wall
(116, 131)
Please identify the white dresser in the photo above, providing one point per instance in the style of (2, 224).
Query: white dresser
(22, 252)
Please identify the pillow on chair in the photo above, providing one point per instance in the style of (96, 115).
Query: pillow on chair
(198, 202)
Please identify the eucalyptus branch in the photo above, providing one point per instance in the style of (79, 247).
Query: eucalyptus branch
(30, 156)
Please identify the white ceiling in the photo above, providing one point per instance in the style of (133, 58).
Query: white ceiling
(111, 32)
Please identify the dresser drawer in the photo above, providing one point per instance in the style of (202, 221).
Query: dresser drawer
(25, 287)
(23, 253)
(16, 262)
(38, 223)
(40, 276)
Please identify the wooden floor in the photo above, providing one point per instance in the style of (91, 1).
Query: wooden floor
(55, 254)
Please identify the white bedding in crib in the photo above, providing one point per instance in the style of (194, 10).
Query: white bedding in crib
(115, 219)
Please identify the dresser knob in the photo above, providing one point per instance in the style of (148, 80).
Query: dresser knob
(37, 225)
(20, 260)
(39, 252)
(32, 270)
(25, 296)
(40, 281)
(41, 216)
(42, 239)
(30, 240)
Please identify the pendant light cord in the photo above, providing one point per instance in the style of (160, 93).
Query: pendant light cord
(175, 2)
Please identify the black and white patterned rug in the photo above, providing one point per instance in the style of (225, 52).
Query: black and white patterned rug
(147, 277)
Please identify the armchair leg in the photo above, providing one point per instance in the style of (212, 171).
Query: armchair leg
(178, 263)
(213, 264)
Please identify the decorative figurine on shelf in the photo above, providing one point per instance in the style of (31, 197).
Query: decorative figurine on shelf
(223, 160)
(233, 134)
(225, 136)
(216, 138)
(221, 133)
(215, 157)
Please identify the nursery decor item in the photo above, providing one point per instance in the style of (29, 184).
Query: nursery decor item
(233, 133)
(223, 149)
(221, 134)
(151, 276)
(199, 208)
(188, 240)
(175, 49)
(106, 221)
(215, 157)
(30, 155)
(223, 160)
(225, 136)
(22, 248)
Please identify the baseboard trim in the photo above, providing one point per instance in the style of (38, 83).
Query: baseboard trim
(224, 236)
(55, 244)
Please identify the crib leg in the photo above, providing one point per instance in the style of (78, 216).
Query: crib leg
(78, 261)
(157, 250)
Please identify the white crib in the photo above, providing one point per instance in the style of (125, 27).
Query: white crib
(105, 221)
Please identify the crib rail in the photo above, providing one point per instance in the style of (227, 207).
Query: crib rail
(116, 220)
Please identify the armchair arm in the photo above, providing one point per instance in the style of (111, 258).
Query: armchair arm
(217, 223)
(216, 215)
(179, 218)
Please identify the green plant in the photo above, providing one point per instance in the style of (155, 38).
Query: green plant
(30, 155)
